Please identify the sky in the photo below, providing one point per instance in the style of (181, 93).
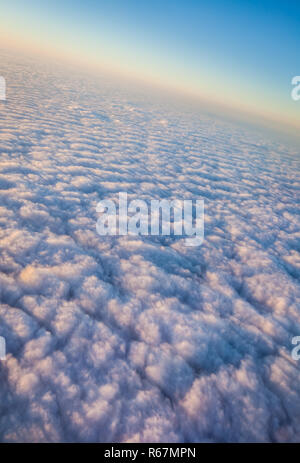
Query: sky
(142, 338)
(238, 54)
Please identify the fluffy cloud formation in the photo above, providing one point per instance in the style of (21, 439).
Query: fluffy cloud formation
(142, 339)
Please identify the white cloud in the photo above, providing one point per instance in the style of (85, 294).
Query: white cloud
(143, 339)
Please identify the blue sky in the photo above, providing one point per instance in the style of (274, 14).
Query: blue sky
(242, 54)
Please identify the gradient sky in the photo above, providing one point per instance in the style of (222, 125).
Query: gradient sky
(242, 54)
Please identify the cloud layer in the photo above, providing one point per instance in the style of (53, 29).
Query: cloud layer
(142, 339)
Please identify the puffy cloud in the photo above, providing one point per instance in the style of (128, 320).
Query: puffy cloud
(142, 339)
